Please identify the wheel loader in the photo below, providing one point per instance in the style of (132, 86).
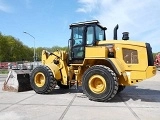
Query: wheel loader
(102, 67)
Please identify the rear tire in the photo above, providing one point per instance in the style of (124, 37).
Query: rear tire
(42, 80)
(99, 83)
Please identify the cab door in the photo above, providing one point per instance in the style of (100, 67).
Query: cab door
(81, 37)
(78, 45)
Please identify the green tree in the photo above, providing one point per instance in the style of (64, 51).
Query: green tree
(12, 49)
(4, 49)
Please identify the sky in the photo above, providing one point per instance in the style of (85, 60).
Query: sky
(48, 20)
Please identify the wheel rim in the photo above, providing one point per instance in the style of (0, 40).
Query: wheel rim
(97, 84)
(39, 79)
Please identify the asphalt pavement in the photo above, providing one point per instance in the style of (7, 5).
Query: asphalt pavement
(138, 102)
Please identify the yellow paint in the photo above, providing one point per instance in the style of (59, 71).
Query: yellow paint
(151, 71)
(97, 84)
(64, 71)
(142, 57)
(39, 79)
(124, 42)
(118, 65)
(55, 70)
(128, 72)
(96, 52)
(137, 75)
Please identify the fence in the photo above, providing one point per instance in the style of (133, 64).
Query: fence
(19, 65)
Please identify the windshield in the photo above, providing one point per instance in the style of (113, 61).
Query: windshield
(100, 33)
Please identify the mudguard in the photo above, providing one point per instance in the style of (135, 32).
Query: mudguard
(116, 65)
(55, 70)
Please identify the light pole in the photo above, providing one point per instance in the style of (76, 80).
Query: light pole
(34, 47)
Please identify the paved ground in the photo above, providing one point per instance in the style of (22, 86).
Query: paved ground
(139, 102)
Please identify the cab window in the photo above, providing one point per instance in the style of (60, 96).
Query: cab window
(90, 35)
(99, 33)
(77, 36)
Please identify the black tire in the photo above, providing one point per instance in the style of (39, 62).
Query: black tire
(104, 80)
(121, 88)
(42, 80)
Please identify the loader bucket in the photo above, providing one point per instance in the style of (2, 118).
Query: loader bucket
(17, 81)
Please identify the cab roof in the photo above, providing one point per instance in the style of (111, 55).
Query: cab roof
(96, 22)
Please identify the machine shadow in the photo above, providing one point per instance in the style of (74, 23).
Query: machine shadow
(65, 91)
(130, 93)
(134, 93)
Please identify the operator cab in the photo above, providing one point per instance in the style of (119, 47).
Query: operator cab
(84, 34)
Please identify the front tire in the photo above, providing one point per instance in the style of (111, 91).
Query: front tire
(99, 83)
(42, 80)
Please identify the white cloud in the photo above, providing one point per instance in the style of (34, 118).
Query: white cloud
(81, 10)
(4, 7)
(140, 18)
(87, 5)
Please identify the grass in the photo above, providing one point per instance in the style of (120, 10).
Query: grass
(3, 71)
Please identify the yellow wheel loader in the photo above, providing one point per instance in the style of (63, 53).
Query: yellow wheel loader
(102, 67)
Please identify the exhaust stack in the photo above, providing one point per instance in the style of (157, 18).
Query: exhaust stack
(115, 32)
